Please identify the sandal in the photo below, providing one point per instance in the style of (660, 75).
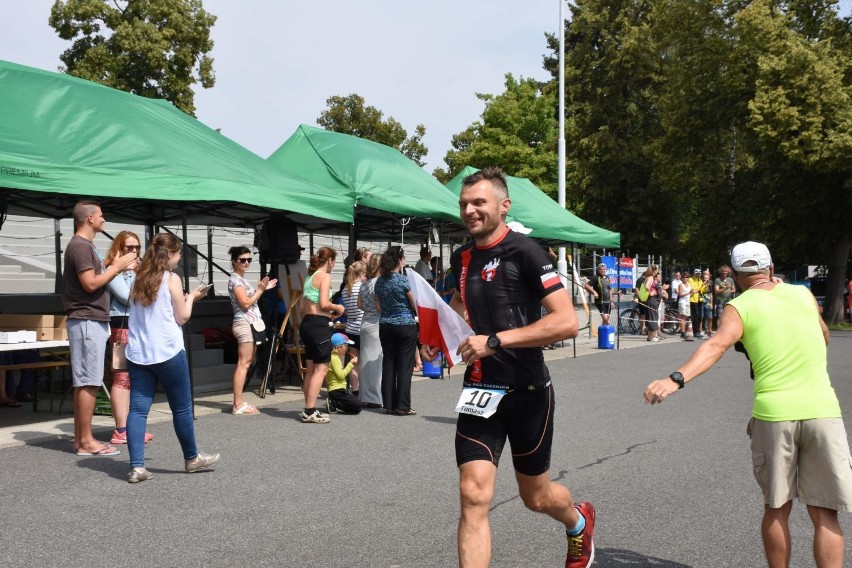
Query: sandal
(409, 412)
(245, 408)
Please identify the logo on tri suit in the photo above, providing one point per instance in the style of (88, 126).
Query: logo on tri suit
(490, 269)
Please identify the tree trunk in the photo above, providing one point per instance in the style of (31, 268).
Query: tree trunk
(835, 284)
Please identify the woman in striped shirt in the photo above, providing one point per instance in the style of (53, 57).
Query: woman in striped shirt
(355, 276)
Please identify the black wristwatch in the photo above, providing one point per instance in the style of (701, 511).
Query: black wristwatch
(678, 378)
(493, 342)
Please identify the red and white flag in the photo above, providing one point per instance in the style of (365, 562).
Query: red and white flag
(440, 325)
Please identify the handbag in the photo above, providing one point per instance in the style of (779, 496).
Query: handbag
(119, 357)
(119, 349)
(258, 331)
(644, 293)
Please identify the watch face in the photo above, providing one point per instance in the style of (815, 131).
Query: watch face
(493, 342)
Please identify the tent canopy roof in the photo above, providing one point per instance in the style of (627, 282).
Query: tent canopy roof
(548, 221)
(379, 183)
(64, 138)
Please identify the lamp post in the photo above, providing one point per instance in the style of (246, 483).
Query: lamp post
(561, 263)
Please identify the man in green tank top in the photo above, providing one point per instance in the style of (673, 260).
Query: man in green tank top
(798, 440)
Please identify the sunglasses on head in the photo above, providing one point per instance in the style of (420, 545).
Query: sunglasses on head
(244, 260)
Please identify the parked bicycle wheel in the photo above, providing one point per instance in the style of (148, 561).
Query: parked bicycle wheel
(628, 321)
(671, 322)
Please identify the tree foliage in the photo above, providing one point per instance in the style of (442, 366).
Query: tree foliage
(518, 132)
(155, 48)
(350, 115)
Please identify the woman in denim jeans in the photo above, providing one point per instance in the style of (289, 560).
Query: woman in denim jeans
(397, 333)
(155, 354)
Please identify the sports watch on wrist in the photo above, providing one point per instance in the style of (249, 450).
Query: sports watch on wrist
(678, 378)
(493, 342)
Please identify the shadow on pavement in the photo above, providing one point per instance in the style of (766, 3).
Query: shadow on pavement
(60, 443)
(620, 557)
(440, 419)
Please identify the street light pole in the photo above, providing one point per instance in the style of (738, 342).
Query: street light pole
(561, 263)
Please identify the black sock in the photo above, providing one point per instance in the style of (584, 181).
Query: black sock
(309, 411)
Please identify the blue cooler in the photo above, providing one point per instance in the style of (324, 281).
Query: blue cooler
(432, 369)
(606, 337)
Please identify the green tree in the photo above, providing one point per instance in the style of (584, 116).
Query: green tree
(801, 114)
(517, 132)
(612, 71)
(156, 48)
(349, 115)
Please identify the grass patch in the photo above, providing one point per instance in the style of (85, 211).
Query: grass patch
(845, 326)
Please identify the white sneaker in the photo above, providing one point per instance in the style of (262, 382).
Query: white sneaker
(316, 418)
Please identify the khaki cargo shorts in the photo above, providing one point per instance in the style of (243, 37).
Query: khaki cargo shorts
(808, 459)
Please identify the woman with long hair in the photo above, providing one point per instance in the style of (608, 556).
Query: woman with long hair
(370, 357)
(119, 312)
(397, 332)
(155, 354)
(652, 314)
(244, 299)
(316, 329)
(355, 276)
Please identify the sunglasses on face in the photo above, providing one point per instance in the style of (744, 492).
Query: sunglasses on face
(136, 248)
(244, 260)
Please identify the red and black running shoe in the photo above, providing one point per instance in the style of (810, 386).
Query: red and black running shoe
(581, 548)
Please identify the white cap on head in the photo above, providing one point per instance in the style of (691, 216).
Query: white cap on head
(750, 252)
(518, 227)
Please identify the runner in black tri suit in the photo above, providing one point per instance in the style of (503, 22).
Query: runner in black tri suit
(504, 278)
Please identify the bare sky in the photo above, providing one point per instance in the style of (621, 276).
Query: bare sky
(277, 61)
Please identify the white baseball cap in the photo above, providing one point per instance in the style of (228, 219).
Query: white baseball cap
(750, 252)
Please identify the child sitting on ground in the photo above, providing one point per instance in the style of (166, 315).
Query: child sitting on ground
(340, 398)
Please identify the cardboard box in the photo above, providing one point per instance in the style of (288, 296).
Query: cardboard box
(60, 334)
(19, 321)
(45, 333)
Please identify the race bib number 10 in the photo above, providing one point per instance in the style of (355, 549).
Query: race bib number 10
(479, 402)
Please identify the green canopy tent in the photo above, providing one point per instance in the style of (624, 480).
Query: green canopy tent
(387, 192)
(549, 222)
(63, 138)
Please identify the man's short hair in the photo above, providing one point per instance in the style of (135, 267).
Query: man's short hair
(82, 210)
(494, 175)
(425, 252)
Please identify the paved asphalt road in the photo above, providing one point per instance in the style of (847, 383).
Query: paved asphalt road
(672, 484)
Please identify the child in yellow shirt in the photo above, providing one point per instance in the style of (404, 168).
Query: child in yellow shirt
(340, 398)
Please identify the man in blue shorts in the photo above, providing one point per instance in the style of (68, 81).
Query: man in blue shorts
(798, 440)
(504, 278)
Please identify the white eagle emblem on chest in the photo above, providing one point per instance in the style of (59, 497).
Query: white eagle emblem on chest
(490, 269)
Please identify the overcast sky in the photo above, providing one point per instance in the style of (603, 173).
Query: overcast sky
(277, 61)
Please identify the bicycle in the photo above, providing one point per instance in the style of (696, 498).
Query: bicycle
(671, 321)
(628, 321)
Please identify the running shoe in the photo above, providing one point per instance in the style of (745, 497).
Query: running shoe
(121, 437)
(316, 418)
(202, 461)
(581, 548)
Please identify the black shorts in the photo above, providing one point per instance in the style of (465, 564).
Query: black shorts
(525, 417)
(604, 307)
(316, 333)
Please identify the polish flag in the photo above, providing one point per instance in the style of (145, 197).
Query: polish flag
(440, 325)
